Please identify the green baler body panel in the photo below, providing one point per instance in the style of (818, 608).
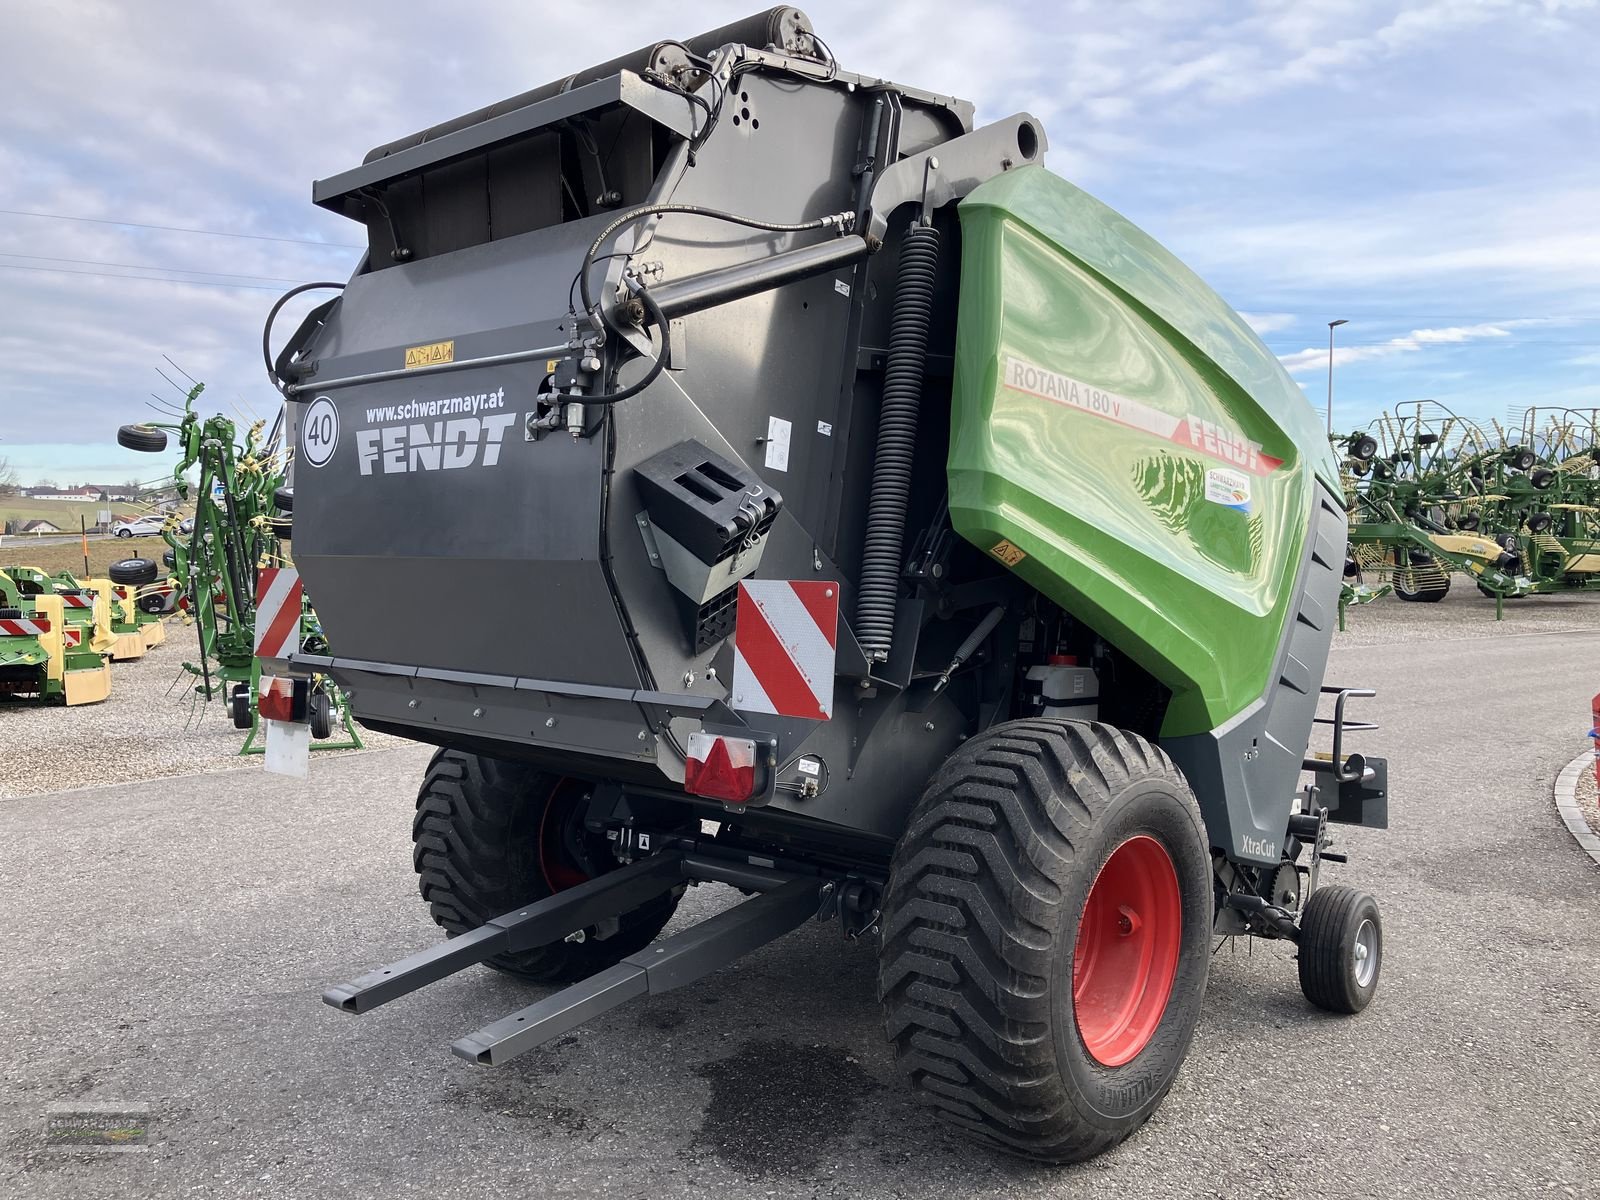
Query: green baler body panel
(1118, 424)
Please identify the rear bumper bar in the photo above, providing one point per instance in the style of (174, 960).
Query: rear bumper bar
(613, 723)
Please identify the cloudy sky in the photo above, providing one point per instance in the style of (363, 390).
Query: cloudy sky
(1428, 170)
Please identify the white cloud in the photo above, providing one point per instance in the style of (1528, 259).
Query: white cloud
(1335, 158)
(1268, 322)
(1316, 358)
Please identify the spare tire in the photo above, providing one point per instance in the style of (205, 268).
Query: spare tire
(1364, 448)
(139, 571)
(284, 498)
(152, 602)
(1541, 477)
(142, 437)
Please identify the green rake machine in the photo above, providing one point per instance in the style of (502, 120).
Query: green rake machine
(1431, 493)
(242, 523)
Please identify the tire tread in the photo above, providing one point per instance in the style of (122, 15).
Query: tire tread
(965, 951)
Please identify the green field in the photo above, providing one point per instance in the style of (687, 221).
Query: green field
(21, 552)
(64, 513)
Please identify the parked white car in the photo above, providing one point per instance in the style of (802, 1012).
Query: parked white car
(139, 527)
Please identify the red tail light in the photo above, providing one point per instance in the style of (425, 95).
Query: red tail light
(721, 767)
(283, 699)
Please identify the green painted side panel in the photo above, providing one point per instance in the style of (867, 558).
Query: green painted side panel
(1117, 423)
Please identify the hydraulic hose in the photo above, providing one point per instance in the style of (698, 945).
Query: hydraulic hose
(652, 309)
(662, 355)
(878, 594)
(691, 210)
(272, 316)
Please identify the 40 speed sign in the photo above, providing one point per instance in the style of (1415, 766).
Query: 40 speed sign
(319, 432)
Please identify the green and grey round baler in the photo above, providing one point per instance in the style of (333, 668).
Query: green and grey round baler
(827, 470)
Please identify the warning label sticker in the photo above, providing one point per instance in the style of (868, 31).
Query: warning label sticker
(431, 355)
(1007, 553)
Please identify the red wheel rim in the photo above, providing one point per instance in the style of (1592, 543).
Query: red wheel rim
(558, 873)
(1127, 952)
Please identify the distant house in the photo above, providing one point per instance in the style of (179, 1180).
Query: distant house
(87, 493)
(40, 526)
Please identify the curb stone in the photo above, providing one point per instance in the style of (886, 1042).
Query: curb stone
(1567, 805)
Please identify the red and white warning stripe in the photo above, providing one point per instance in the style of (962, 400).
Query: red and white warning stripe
(784, 640)
(72, 636)
(81, 600)
(25, 627)
(279, 600)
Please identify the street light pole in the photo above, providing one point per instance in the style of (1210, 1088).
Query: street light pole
(1332, 325)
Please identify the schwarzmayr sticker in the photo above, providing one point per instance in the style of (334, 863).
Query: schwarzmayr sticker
(1231, 489)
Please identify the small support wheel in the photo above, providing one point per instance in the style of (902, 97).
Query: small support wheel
(319, 711)
(136, 571)
(239, 706)
(1341, 949)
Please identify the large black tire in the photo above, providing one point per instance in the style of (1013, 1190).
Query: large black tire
(982, 920)
(137, 571)
(1341, 949)
(283, 497)
(141, 437)
(479, 853)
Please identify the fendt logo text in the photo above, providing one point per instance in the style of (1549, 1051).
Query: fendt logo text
(434, 445)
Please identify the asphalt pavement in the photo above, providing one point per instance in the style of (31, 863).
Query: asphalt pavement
(166, 944)
(52, 539)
